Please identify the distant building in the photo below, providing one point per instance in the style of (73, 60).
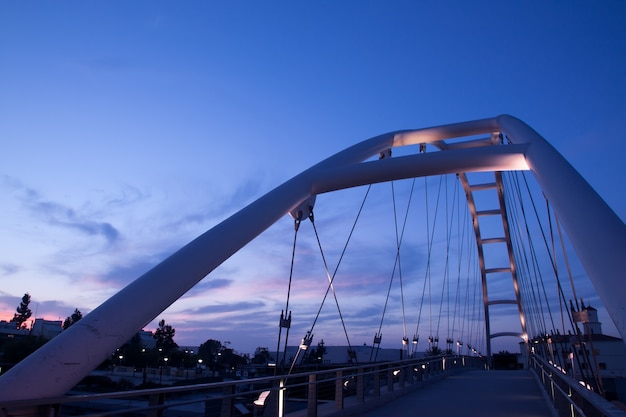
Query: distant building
(47, 329)
(9, 331)
(337, 355)
(607, 355)
(146, 339)
(588, 355)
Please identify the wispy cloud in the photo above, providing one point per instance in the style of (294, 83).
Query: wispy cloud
(210, 284)
(60, 215)
(227, 307)
(216, 205)
(8, 269)
(129, 269)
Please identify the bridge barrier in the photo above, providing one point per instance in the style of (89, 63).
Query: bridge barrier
(568, 396)
(341, 391)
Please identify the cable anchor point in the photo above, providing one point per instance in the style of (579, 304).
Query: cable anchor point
(385, 154)
(302, 211)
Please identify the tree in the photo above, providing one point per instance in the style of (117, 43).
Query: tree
(23, 313)
(164, 337)
(261, 356)
(76, 315)
(317, 355)
(133, 352)
(504, 360)
(434, 351)
(229, 359)
(209, 352)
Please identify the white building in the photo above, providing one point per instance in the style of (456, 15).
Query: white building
(588, 356)
(607, 354)
(47, 329)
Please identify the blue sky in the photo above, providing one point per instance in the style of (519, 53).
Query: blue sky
(127, 129)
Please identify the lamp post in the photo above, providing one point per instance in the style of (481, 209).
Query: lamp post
(199, 369)
(165, 359)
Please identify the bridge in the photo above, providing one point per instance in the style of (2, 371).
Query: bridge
(478, 156)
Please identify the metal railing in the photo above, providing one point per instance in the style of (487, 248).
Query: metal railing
(568, 396)
(322, 392)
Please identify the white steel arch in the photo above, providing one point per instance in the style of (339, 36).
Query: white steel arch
(599, 239)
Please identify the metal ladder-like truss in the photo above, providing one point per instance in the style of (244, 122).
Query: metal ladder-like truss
(499, 242)
(490, 271)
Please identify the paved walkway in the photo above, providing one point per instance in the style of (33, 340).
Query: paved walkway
(473, 394)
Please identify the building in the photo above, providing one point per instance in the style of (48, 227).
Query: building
(592, 357)
(47, 329)
(9, 331)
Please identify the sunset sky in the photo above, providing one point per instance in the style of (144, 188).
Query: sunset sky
(129, 128)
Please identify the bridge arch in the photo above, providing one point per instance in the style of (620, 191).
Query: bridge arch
(65, 360)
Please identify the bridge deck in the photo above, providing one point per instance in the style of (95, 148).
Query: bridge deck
(473, 394)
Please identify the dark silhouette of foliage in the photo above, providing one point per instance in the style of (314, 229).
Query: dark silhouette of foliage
(217, 357)
(23, 312)
(164, 337)
(434, 351)
(316, 355)
(504, 360)
(261, 356)
(133, 352)
(228, 359)
(209, 352)
(76, 315)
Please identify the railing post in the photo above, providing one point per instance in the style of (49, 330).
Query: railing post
(376, 381)
(389, 379)
(339, 390)
(311, 410)
(228, 401)
(156, 399)
(360, 386)
(281, 399)
(571, 405)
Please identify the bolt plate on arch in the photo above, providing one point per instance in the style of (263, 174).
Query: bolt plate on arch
(302, 211)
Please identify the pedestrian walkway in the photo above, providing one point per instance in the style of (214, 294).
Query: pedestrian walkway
(473, 394)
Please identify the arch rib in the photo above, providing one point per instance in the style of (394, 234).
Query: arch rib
(62, 362)
(514, 334)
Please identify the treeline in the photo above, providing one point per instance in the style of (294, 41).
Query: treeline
(138, 352)
(15, 347)
(23, 313)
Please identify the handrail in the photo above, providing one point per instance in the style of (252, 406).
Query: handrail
(573, 399)
(364, 382)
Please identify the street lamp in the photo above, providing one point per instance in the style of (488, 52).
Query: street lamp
(165, 359)
(199, 368)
